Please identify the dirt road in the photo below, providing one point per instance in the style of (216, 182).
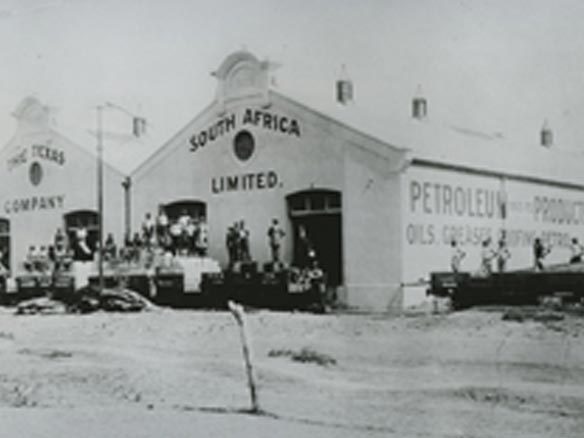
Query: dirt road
(170, 373)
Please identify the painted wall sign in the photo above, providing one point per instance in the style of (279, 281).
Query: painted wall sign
(245, 182)
(249, 117)
(34, 203)
(36, 152)
(437, 198)
(440, 206)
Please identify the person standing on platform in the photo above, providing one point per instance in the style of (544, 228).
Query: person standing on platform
(3, 269)
(175, 237)
(148, 227)
(275, 236)
(231, 244)
(307, 252)
(503, 254)
(189, 234)
(60, 241)
(83, 252)
(184, 219)
(162, 227)
(110, 250)
(540, 251)
(244, 242)
(202, 237)
(456, 257)
(487, 256)
(577, 251)
(137, 248)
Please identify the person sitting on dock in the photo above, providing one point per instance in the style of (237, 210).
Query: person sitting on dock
(540, 251)
(31, 258)
(457, 255)
(42, 261)
(577, 251)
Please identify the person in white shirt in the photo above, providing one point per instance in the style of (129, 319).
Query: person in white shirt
(184, 219)
(190, 231)
(457, 255)
(175, 234)
(503, 254)
(577, 251)
(84, 252)
(162, 227)
(275, 236)
(487, 256)
(202, 237)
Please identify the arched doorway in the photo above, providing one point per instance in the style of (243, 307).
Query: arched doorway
(87, 219)
(5, 243)
(193, 208)
(316, 221)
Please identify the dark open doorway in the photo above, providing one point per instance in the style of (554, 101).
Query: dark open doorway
(317, 223)
(5, 244)
(76, 220)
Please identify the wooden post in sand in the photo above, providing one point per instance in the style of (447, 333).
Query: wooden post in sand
(239, 315)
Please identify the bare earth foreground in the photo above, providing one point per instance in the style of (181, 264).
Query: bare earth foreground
(168, 373)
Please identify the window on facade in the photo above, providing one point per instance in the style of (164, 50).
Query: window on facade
(194, 209)
(314, 202)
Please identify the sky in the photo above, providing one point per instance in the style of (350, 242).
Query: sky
(501, 66)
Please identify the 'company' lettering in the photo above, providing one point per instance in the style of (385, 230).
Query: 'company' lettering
(34, 203)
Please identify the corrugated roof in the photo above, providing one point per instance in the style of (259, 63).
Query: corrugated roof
(431, 140)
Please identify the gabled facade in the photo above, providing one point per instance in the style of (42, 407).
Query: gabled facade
(255, 155)
(49, 182)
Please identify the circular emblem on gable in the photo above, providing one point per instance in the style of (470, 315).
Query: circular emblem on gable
(243, 145)
(35, 173)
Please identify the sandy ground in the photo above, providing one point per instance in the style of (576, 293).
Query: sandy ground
(169, 373)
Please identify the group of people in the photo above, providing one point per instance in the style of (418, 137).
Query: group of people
(488, 254)
(237, 243)
(501, 254)
(46, 258)
(187, 235)
(238, 247)
(184, 236)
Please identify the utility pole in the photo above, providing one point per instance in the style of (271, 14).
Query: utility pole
(100, 196)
